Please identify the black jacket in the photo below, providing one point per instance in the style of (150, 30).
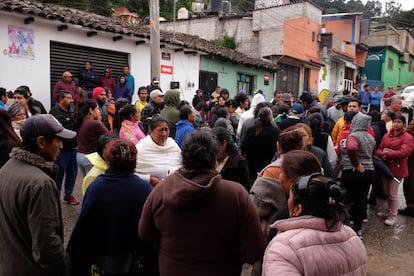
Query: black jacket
(236, 169)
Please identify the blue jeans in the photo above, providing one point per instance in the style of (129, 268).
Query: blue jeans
(68, 167)
(84, 164)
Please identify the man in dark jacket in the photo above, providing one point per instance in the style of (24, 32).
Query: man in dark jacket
(31, 228)
(88, 78)
(154, 107)
(66, 161)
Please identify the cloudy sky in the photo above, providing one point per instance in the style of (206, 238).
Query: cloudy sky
(406, 5)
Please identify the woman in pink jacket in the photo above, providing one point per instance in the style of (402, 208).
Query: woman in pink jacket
(131, 124)
(394, 149)
(314, 240)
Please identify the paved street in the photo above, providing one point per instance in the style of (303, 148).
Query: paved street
(390, 249)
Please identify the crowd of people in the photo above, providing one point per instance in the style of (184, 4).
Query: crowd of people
(173, 188)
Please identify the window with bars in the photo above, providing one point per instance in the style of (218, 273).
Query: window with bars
(245, 82)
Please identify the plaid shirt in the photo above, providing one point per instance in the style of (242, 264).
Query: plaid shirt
(149, 110)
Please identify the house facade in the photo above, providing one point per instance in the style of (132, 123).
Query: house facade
(341, 51)
(286, 34)
(41, 41)
(390, 59)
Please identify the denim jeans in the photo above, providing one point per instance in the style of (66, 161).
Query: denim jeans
(68, 167)
(84, 164)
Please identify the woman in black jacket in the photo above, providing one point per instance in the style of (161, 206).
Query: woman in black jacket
(230, 164)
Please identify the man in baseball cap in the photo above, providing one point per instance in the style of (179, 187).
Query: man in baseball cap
(33, 230)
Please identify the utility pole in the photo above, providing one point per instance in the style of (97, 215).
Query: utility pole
(155, 37)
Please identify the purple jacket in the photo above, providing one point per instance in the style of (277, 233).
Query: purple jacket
(61, 85)
(304, 246)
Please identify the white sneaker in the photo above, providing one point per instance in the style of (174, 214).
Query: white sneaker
(390, 221)
(382, 215)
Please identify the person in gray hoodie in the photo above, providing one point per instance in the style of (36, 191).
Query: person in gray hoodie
(358, 167)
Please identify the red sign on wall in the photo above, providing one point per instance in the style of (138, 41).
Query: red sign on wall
(166, 69)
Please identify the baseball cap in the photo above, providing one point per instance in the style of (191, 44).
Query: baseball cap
(155, 80)
(156, 93)
(297, 108)
(339, 99)
(44, 125)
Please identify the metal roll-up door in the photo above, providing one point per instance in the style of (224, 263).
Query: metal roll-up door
(70, 57)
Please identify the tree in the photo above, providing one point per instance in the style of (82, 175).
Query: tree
(392, 9)
(372, 8)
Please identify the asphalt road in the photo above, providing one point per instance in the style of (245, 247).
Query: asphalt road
(390, 249)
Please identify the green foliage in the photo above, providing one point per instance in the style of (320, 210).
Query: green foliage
(227, 41)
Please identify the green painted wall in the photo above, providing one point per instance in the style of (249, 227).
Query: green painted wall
(376, 67)
(390, 75)
(227, 75)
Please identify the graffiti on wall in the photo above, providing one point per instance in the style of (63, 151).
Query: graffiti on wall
(21, 42)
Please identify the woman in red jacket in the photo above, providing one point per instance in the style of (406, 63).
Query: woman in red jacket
(394, 149)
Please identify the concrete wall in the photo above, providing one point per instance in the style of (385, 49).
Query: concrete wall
(298, 39)
(36, 73)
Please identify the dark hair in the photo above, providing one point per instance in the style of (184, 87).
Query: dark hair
(23, 90)
(88, 61)
(61, 95)
(264, 117)
(127, 111)
(222, 112)
(390, 114)
(283, 108)
(182, 103)
(290, 140)
(306, 98)
(277, 92)
(222, 134)
(300, 162)
(375, 115)
(353, 99)
(156, 121)
(201, 106)
(141, 88)
(232, 103)
(30, 143)
(316, 124)
(241, 98)
(401, 118)
(349, 115)
(200, 150)
(2, 91)
(320, 197)
(121, 155)
(260, 106)
(185, 111)
(7, 131)
(82, 109)
(102, 141)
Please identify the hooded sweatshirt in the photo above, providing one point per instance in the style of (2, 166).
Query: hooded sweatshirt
(170, 111)
(258, 98)
(359, 145)
(107, 81)
(205, 225)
